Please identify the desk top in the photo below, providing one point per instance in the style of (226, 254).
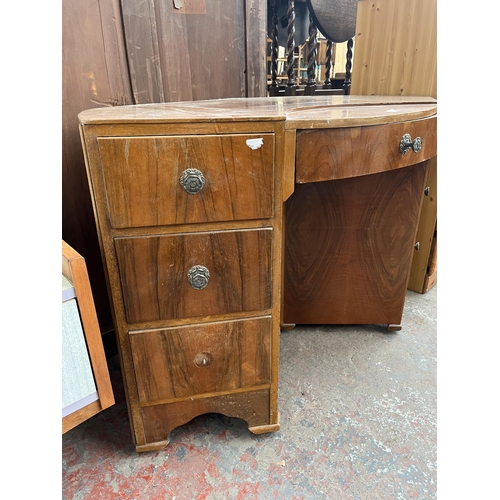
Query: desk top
(298, 112)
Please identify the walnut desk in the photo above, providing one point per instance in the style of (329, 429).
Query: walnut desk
(221, 221)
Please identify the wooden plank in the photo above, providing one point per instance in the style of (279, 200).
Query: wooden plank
(256, 46)
(289, 163)
(395, 50)
(94, 74)
(195, 52)
(425, 233)
(76, 418)
(160, 420)
(143, 50)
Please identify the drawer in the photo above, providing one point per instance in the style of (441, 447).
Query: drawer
(201, 359)
(152, 181)
(156, 271)
(328, 154)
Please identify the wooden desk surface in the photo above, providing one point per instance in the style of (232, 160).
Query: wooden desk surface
(300, 112)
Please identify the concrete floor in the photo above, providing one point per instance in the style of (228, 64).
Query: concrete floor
(358, 421)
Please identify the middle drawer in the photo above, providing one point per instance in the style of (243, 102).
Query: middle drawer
(196, 274)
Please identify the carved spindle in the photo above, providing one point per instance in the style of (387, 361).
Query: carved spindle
(291, 86)
(274, 88)
(348, 66)
(328, 65)
(312, 49)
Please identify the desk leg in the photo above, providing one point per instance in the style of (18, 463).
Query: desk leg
(393, 328)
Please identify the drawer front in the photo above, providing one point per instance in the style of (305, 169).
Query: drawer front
(201, 359)
(193, 275)
(328, 154)
(152, 181)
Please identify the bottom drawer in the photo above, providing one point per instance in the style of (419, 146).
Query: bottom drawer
(201, 359)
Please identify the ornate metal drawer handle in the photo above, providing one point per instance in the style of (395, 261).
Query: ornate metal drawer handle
(192, 180)
(406, 143)
(198, 277)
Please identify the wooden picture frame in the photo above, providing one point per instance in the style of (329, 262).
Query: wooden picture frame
(75, 270)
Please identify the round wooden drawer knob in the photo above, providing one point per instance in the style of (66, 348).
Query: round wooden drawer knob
(203, 359)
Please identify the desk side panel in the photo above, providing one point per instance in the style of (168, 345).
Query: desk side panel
(349, 245)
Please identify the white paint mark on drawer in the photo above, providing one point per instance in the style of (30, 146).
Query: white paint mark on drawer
(255, 143)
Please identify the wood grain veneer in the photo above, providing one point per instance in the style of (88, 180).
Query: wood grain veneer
(298, 112)
(340, 153)
(159, 420)
(187, 351)
(344, 246)
(207, 358)
(394, 57)
(154, 274)
(142, 179)
(348, 248)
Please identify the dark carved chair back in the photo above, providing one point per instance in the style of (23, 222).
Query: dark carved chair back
(335, 26)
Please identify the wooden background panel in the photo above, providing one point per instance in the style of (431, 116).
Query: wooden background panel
(396, 44)
(256, 40)
(94, 74)
(196, 52)
(142, 45)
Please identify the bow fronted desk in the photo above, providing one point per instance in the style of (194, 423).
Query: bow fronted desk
(222, 221)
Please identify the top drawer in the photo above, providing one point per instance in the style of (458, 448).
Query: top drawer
(339, 153)
(152, 181)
